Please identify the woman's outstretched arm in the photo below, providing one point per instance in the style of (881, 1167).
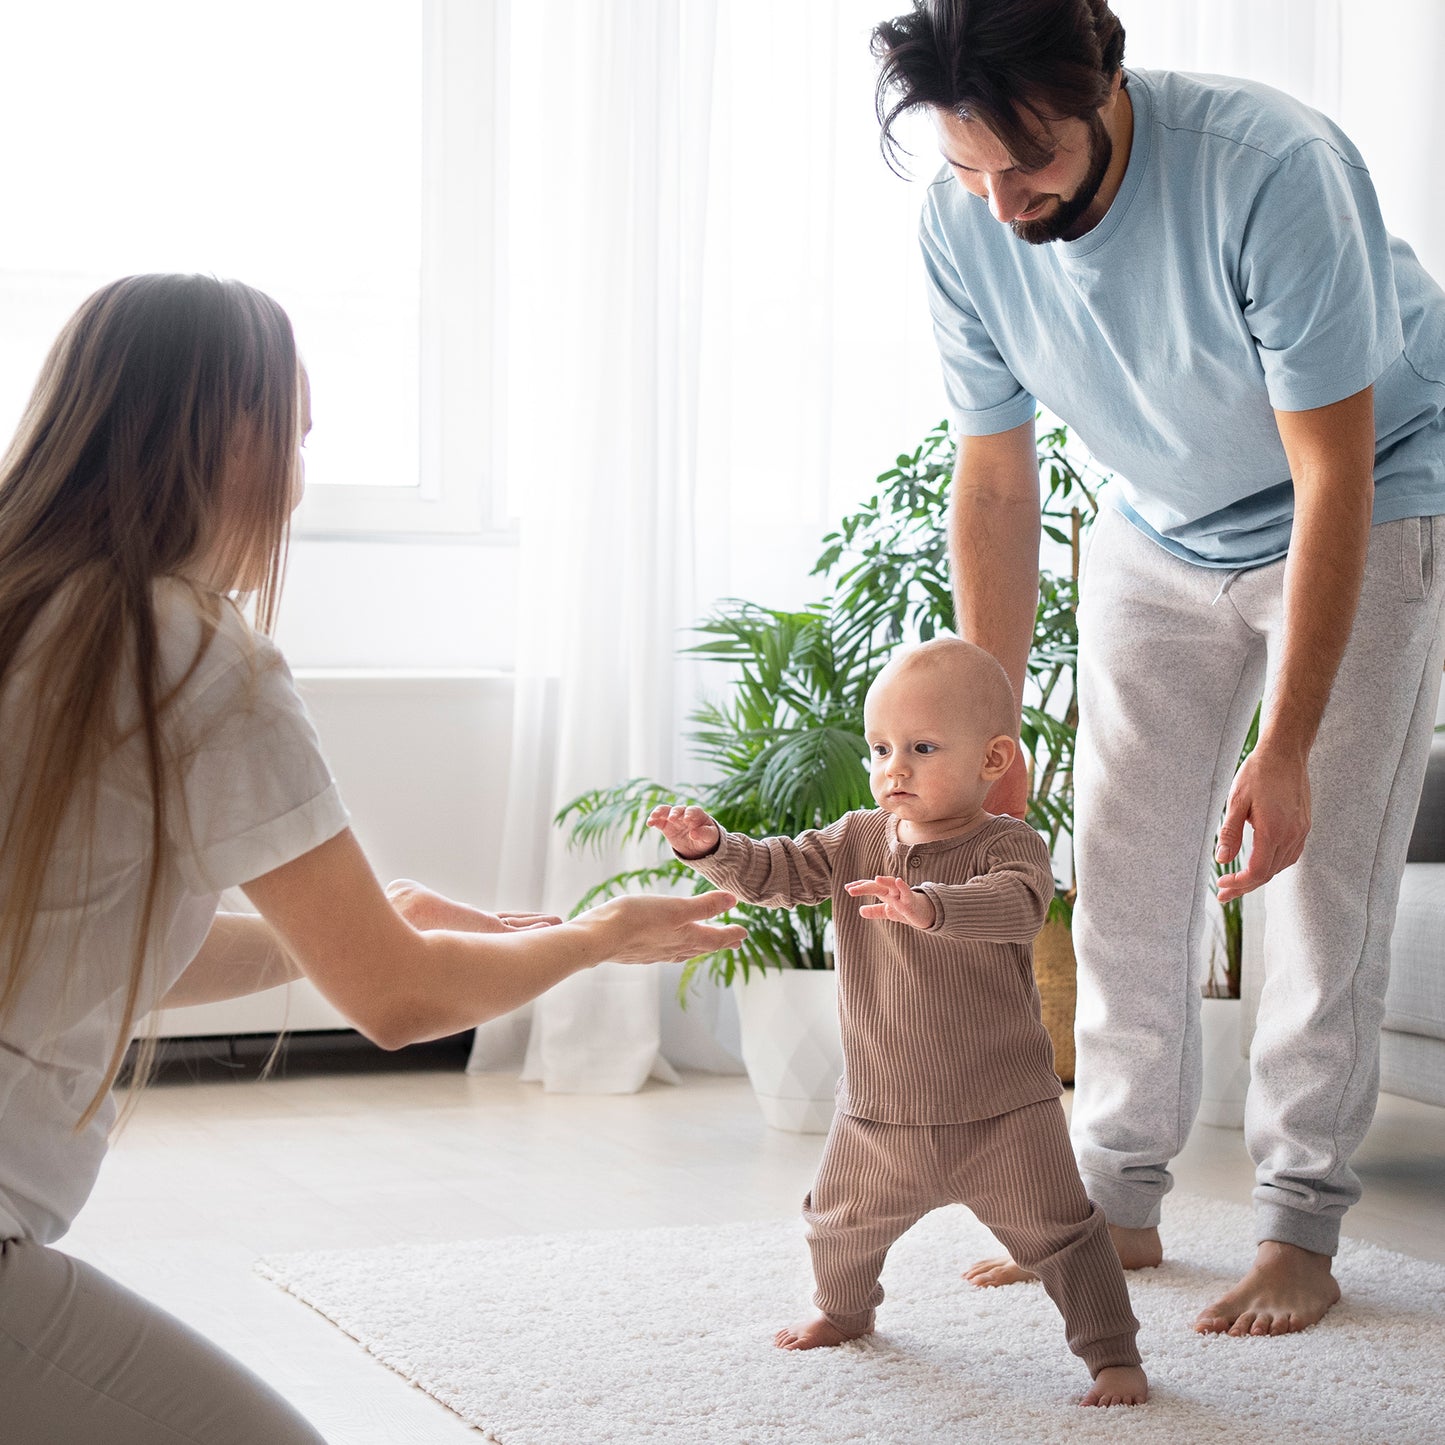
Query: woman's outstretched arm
(241, 955)
(401, 986)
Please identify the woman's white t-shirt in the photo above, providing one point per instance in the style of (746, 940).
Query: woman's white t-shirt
(253, 792)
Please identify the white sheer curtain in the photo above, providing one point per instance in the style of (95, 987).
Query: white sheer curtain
(716, 338)
(1371, 65)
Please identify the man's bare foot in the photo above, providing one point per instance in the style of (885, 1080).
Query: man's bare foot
(1138, 1249)
(818, 1331)
(1288, 1289)
(1118, 1385)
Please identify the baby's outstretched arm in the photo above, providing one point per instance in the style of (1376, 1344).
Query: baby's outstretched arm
(690, 832)
(897, 902)
(770, 872)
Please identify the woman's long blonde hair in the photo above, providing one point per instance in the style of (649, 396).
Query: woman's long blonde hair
(161, 438)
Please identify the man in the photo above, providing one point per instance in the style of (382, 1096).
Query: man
(1192, 272)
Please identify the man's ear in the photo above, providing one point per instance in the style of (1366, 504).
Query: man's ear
(998, 756)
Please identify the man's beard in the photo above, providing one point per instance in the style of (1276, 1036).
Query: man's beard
(1055, 226)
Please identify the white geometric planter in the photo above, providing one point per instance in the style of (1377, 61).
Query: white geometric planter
(792, 1047)
(1226, 1069)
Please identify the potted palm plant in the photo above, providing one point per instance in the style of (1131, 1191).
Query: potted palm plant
(783, 749)
(783, 746)
(891, 563)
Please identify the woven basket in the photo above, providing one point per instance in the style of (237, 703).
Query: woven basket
(1054, 971)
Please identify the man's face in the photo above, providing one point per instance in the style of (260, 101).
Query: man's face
(1047, 203)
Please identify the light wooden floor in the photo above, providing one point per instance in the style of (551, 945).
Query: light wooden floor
(343, 1152)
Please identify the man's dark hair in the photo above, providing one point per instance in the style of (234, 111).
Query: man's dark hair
(999, 62)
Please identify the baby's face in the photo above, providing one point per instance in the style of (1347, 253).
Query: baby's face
(926, 751)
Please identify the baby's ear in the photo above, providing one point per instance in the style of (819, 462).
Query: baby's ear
(998, 756)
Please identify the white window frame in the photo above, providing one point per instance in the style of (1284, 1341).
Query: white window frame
(459, 496)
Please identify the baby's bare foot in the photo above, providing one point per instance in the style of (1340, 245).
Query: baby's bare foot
(1288, 1289)
(1137, 1248)
(991, 1273)
(818, 1331)
(1118, 1385)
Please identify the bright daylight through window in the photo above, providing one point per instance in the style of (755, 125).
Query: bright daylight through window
(164, 135)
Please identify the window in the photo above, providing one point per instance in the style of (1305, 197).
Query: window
(338, 156)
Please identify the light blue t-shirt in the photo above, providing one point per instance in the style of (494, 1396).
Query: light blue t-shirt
(1243, 267)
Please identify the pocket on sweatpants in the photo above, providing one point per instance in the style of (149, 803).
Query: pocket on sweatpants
(1417, 557)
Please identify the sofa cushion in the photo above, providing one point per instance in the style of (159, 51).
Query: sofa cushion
(1415, 1000)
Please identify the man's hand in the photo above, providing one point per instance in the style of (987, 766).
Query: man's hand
(426, 910)
(1011, 793)
(690, 832)
(650, 928)
(1271, 793)
(897, 902)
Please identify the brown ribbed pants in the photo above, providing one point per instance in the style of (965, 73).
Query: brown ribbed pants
(1016, 1172)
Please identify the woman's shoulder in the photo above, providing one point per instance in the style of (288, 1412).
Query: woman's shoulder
(205, 644)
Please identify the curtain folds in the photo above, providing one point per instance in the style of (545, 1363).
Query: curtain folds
(611, 120)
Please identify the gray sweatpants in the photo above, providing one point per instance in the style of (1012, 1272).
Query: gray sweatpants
(83, 1359)
(1172, 661)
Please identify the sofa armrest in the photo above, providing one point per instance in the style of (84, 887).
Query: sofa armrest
(1427, 841)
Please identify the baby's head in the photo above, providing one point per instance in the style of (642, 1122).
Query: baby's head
(941, 724)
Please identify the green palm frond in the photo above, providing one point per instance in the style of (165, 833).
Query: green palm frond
(782, 741)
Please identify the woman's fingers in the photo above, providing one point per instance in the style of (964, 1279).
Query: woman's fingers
(669, 928)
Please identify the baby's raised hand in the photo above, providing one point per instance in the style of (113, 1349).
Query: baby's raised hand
(690, 831)
(897, 902)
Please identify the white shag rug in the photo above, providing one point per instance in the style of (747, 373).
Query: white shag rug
(665, 1335)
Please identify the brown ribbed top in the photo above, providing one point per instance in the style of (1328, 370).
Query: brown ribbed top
(939, 1026)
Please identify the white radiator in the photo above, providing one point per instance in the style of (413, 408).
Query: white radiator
(422, 762)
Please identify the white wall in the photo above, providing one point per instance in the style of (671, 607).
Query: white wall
(399, 604)
(1393, 107)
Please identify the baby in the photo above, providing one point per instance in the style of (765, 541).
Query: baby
(948, 1092)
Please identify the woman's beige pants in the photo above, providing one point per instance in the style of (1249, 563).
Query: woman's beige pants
(84, 1361)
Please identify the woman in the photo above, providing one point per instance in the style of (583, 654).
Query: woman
(156, 753)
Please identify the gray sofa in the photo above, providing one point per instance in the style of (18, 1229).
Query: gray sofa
(1412, 1044)
(1412, 1047)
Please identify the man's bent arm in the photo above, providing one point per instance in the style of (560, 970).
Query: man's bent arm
(994, 528)
(1331, 452)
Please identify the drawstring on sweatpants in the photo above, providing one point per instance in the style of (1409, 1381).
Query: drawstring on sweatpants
(1226, 585)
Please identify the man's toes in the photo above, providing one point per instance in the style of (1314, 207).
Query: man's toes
(1243, 1324)
(1210, 1322)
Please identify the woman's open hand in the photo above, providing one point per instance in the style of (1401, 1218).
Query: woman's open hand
(649, 928)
